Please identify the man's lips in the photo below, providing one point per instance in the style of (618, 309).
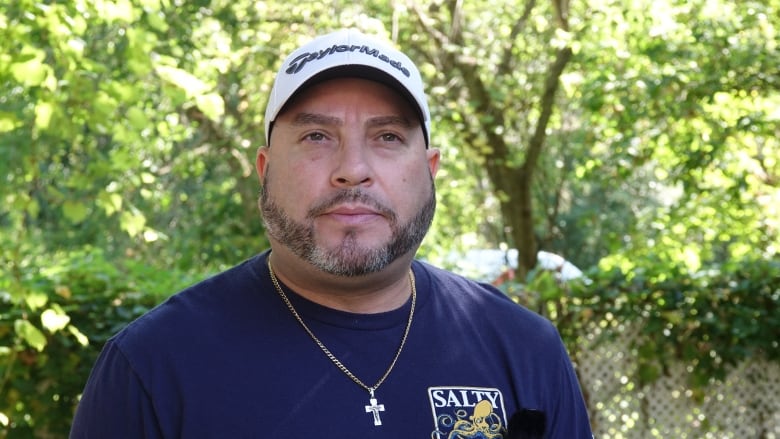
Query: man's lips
(352, 214)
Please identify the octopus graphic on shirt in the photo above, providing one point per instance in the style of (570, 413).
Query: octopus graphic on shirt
(467, 413)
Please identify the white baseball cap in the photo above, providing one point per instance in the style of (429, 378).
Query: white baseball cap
(347, 53)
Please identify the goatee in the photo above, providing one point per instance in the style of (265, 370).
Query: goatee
(349, 258)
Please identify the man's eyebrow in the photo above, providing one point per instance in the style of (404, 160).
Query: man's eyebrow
(316, 119)
(389, 120)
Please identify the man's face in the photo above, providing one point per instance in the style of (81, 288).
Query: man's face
(348, 182)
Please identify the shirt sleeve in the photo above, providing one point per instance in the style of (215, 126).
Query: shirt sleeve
(115, 403)
(570, 419)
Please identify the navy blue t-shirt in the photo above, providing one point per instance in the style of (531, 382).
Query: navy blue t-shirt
(227, 359)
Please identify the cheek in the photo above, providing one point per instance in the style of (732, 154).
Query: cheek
(416, 177)
(412, 187)
(290, 172)
(295, 185)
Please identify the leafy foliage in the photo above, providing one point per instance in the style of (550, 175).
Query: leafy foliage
(710, 321)
(682, 120)
(50, 337)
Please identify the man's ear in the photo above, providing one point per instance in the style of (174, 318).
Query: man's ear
(261, 162)
(433, 156)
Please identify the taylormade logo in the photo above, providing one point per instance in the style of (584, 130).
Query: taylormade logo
(301, 60)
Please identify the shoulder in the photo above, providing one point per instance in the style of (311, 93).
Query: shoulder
(222, 299)
(220, 288)
(480, 300)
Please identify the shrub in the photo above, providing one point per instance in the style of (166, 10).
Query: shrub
(54, 320)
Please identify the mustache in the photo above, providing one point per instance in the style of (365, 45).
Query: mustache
(354, 195)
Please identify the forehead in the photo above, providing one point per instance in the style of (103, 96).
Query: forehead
(351, 91)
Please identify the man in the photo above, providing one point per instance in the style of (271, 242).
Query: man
(337, 332)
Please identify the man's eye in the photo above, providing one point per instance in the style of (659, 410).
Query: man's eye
(315, 137)
(390, 137)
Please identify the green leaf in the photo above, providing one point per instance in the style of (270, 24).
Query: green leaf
(80, 337)
(648, 373)
(110, 202)
(212, 105)
(118, 10)
(30, 334)
(120, 91)
(43, 113)
(75, 211)
(36, 300)
(157, 21)
(191, 85)
(54, 319)
(31, 72)
(675, 317)
(104, 104)
(137, 118)
(132, 222)
(8, 121)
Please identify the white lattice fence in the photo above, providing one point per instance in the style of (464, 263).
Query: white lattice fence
(746, 405)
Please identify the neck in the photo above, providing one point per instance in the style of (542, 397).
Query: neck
(372, 293)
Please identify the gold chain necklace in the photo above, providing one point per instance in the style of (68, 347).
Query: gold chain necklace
(373, 407)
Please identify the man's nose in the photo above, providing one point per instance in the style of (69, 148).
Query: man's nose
(352, 167)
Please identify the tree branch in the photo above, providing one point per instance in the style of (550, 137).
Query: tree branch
(506, 61)
(547, 104)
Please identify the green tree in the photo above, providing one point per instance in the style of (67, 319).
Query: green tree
(661, 141)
